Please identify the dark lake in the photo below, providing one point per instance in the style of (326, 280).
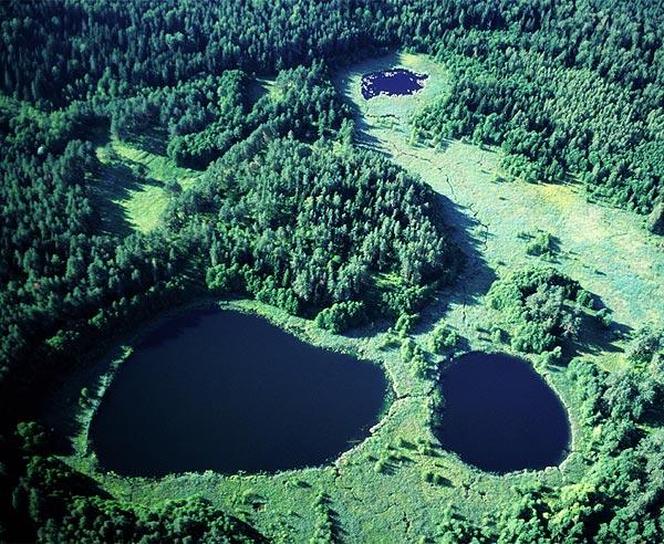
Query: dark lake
(393, 82)
(500, 415)
(222, 390)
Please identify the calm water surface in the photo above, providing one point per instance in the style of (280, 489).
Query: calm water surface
(500, 415)
(226, 391)
(393, 82)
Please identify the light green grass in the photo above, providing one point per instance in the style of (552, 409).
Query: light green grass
(606, 249)
(372, 506)
(132, 185)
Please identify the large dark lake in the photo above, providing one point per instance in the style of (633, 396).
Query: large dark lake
(500, 415)
(393, 82)
(222, 390)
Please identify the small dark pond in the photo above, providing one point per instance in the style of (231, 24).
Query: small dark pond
(394, 82)
(500, 415)
(222, 390)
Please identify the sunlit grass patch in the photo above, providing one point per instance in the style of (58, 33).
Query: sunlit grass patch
(136, 186)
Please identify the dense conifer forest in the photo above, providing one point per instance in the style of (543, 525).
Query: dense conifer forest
(289, 210)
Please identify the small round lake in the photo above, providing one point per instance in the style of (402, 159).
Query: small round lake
(500, 415)
(393, 82)
(222, 390)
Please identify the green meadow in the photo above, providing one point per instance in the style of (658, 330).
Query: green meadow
(135, 185)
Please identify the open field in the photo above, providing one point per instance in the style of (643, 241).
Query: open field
(605, 249)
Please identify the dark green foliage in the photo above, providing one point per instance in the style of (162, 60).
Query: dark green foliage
(325, 532)
(542, 244)
(605, 317)
(655, 221)
(57, 271)
(621, 497)
(293, 215)
(303, 227)
(585, 299)
(66, 507)
(559, 107)
(647, 347)
(443, 337)
(32, 437)
(190, 520)
(539, 305)
(342, 316)
(452, 528)
(422, 364)
(406, 323)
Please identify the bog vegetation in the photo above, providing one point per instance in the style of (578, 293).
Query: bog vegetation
(288, 209)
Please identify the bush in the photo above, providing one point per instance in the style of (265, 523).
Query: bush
(647, 343)
(541, 244)
(223, 280)
(538, 305)
(585, 299)
(342, 316)
(605, 317)
(549, 358)
(415, 357)
(405, 323)
(443, 337)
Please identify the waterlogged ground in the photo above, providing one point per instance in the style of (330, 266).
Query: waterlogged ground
(382, 489)
(606, 249)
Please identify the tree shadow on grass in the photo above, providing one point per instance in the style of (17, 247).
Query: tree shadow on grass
(472, 280)
(153, 140)
(595, 338)
(475, 276)
(362, 134)
(114, 183)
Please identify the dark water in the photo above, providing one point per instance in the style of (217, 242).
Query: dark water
(500, 415)
(394, 82)
(226, 391)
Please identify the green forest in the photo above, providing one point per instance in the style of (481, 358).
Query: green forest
(287, 205)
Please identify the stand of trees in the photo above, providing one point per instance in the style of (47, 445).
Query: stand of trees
(305, 226)
(65, 506)
(553, 119)
(540, 306)
(290, 213)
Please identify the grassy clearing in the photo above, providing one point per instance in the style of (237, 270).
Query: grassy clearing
(392, 486)
(133, 186)
(606, 249)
